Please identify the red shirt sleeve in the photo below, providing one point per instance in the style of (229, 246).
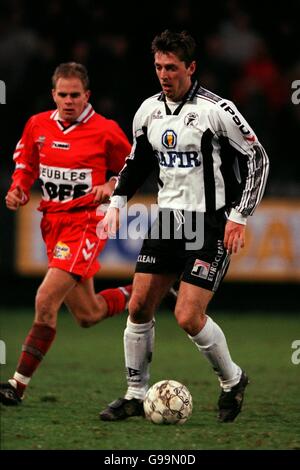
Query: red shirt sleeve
(26, 157)
(118, 147)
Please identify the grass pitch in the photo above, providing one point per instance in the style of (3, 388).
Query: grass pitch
(84, 371)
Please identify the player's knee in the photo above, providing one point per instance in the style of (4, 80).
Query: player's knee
(45, 308)
(189, 320)
(84, 318)
(184, 322)
(138, 308)
(85, 323)
(87, 317)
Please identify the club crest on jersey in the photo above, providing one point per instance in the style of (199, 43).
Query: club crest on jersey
(40, 141)
(157, 115)
(169, 139)
(191, 120)
(62, 251)
(60, 145)
(200, 269)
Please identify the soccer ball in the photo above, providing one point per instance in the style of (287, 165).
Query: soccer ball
(168, 402)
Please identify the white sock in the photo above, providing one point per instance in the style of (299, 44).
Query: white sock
(20, 378)
(138, 348)
(212, 342)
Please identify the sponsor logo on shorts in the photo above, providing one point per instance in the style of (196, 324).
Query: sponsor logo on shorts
(62, 251)
(215, 264)
(200, 269)
(146, 259)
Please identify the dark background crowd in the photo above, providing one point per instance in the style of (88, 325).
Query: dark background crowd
(248, 52)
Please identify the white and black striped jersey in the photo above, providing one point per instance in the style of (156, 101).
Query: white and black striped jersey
(207, 155)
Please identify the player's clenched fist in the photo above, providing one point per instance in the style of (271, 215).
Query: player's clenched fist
(15, 198)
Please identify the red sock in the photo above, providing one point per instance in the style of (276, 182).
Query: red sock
(116, 299)
(37, 343)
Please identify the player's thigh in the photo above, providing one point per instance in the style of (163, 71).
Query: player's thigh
(191, 305)
(72, 242)
(51, 294)
(82, 300)
(56, 285)
(148, 292)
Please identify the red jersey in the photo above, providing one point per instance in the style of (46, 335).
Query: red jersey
(69, 160)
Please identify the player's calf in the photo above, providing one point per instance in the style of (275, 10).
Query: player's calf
(116, 299)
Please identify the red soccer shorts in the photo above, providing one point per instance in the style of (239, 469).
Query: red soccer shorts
(71, 241)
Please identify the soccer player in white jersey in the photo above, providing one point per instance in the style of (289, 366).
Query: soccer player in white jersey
(210, 163)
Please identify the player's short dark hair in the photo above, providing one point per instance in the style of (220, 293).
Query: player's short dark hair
(181, 44)
(71, 70)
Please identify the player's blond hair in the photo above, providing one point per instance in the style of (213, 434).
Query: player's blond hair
(71, 70)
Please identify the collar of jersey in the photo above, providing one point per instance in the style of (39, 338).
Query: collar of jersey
(189, 96)
(80, 118)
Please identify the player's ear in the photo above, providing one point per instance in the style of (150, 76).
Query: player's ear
(88, 94)
(192, 67)
(53, 94)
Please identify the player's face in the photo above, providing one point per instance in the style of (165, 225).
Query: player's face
(174, 76)
(70, 97)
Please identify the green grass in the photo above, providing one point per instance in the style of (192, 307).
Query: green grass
(84, 371)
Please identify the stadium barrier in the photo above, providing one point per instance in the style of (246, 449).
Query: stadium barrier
(272, 251)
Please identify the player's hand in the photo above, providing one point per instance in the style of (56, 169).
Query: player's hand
(110, 224)
(234, 237)
(15, 198)
(104, 191)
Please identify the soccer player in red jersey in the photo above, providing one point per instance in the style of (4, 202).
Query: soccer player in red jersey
(71, 150)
